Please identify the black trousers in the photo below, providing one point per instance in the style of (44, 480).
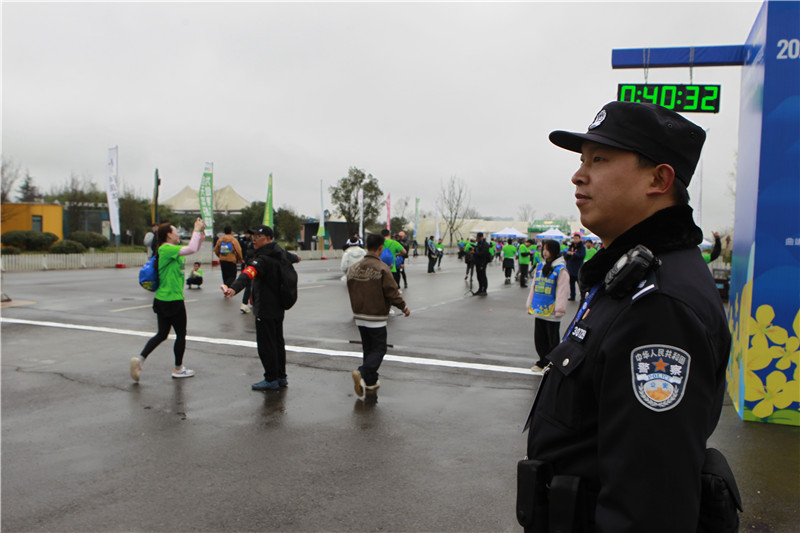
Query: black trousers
(373, 342)
(573, 280)
(431, 264)
(523, 275)
(483, 283)
(545, 338)
(508, 266)
(271, 347)
(169, 315)
(228, 272)
(197, 280)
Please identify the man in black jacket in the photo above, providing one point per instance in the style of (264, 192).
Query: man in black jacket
(630, 396)
(481, 258)
(264, 272)
(574, 256)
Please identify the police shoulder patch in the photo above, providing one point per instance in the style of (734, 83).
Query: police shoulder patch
(659, 375)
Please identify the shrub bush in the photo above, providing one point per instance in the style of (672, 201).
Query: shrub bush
(68, 247)
(10, 250)
(29, 240)
(14, 238)
(90, 239)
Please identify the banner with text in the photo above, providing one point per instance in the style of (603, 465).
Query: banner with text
(207, 198)
(112, 193)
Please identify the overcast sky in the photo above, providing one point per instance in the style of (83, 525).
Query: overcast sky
(412, 93)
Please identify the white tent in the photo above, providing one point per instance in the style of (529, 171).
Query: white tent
(705, 244)
(552, 233)
(591, 237)
(509, 232)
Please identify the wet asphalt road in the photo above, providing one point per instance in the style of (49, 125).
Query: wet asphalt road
(86, 449)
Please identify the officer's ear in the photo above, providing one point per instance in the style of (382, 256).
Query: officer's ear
(661, 177)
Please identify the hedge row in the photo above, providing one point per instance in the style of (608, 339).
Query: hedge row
(78, 242)
(90, 239)
(29, 240)
(67, 247)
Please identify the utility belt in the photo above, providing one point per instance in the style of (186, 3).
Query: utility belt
(548, 503)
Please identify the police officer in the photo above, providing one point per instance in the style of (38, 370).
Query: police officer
(619, 427)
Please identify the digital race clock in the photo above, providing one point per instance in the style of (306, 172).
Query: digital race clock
(682, 98)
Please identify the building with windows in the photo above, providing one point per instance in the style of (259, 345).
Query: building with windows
(33, 217)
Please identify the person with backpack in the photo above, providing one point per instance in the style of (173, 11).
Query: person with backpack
(547, 301)
(230, 254)
(151, 242)
(274, 290)
(168, 303)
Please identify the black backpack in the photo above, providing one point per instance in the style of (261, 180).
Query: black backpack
(288, 288)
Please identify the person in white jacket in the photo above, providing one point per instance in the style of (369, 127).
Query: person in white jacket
(547, 301)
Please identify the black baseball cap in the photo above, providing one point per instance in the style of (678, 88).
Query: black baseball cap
(263, 230)
(654, 131)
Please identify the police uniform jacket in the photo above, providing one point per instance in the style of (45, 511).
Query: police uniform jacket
(635, 390)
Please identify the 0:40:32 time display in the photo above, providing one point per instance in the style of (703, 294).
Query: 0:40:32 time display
(687, 98)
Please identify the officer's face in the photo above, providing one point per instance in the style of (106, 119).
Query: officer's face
(610, 190)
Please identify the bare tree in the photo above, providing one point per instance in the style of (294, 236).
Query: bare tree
(10, 174)
(454, 203)
(526, 213)
(470, 212)
(400, 206)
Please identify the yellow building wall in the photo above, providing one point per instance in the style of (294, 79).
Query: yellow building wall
(20, 217)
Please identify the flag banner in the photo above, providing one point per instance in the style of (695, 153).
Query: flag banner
(268, 215)
(112, 193)
(361, 213)
(389, 212)
(207, 198)
(154, 207)
(321, 230)
(437, 221)
(416, 218)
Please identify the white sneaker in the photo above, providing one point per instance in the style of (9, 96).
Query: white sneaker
(183, 372)
(245, 308)
(537, 369)
(136, 368)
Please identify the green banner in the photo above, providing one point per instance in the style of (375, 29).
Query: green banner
(268, 215)
(207, 198)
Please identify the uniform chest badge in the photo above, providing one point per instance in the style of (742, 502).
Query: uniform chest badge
(660, 374)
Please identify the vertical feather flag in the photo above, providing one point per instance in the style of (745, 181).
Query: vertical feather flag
(154, 207)
(361, 213)
(207, 198)
(389, 212)
(268, 215)
(112, 192)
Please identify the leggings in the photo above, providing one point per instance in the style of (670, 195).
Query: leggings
(170, 315)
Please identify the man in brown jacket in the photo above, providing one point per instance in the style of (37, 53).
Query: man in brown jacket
(372, 291)
(230, 254)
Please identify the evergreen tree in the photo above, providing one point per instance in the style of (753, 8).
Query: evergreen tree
(344, 196)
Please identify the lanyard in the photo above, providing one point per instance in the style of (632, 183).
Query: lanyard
(583, 310)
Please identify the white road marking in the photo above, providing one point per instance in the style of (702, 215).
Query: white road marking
(297, 349)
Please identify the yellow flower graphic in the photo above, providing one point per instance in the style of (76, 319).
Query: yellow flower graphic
(777, 393)
(761, 354)
(761, 326)
(733, 382)
(789, 354)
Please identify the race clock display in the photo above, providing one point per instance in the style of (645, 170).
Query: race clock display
(681, 98)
